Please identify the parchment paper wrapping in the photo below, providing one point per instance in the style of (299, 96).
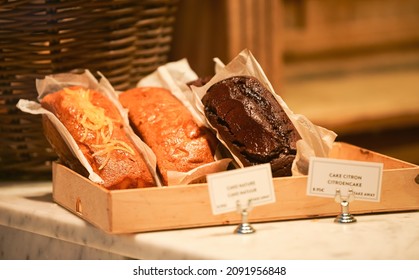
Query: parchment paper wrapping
(316, 141)
(174, 77)
(54, 83)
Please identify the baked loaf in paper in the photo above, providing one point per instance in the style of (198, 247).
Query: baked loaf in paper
(252, 123)
(169, 129)
(97, 127)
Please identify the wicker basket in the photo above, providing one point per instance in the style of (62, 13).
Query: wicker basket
(123, 39)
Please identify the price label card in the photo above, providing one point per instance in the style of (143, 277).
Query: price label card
(326, 175)
(240, 185)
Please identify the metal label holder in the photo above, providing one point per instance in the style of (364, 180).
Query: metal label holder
(244, 227)
(344, 217)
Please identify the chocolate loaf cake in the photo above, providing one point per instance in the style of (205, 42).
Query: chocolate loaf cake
(252, 123)
(199, 82)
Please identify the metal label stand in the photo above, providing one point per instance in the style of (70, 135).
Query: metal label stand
(244, 227)
(345, 217)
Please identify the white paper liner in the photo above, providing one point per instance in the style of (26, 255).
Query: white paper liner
(174, 77)
(35, 108)
(54, 83)
(184, 178)
(316, 140)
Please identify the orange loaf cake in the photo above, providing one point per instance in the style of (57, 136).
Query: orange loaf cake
(98, 129)
(167, 126)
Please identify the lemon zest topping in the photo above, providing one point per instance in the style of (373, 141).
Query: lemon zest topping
(106, 149)
(94, 120)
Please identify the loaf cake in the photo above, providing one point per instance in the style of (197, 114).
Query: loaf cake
(252, 123)
(169, 129)
(98, 129)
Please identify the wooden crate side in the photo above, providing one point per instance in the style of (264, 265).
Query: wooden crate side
(399, 192)
(189, 206)
(164, 208)
(347, 151)
(175, 207)
(293, 203)
(82, 197)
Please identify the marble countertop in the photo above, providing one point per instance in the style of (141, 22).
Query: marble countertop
(28, 207)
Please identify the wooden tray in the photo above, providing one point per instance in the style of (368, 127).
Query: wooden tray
(188, 206)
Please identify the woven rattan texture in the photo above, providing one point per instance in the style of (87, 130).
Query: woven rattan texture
(123, 39)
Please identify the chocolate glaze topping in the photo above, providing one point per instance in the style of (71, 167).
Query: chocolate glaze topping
(252, 123)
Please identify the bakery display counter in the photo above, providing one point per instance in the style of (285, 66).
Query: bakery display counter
(32, 226)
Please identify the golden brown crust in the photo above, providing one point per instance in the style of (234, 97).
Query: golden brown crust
(100, 136)
(167, 126)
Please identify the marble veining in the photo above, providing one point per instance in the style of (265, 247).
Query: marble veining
(22, 245)
(33, 226)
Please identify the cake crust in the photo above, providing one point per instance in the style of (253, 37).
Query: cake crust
(97, 127)
(167, 126)
(252, 123)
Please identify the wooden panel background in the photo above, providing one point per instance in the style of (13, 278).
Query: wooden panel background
(349, 65)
